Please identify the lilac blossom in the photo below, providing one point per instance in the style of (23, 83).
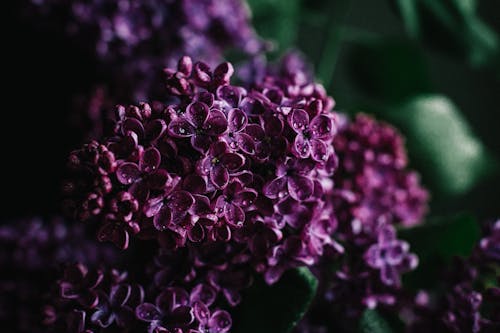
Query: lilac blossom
(373, 186)
(32, 250)
(219, 163)
(390, 256)
(124, 36)
(113, 301)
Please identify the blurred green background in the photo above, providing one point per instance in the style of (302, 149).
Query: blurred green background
(430, 67)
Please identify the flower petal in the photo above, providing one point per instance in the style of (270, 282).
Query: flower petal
(319, 150)
(221, 233)
(181, 201)
(373, 258)
(276, 188)
(245, 198)
(234, 215)
(162, 220)
(182, 315)
(389, 275)
(196, 233)
(132, 125)
(255, 131)
(300, 188)
(245, 143)
(201, 142)
(322, 126)
(197, 113)
(127, 173)
(153, 206)
(202, 74)
(230, 94)
(155, 129)
(220, 322)
(180, 128)
(273, 274)
(301, 146)
(386, 234)
(299, 120)
(232, 161)
(216, 123)
(237, 120)
(195, 184)
(223, 73)
(119, 294)
(147, 312)
(150, 160)
(218, 149)
(203, 293)
(201, 312)
(219, 176)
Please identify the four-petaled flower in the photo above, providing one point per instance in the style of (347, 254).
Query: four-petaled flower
(390, 256)
(220, 163)
(199, 123)
(311, 135)
(171, 311)
(232, 203)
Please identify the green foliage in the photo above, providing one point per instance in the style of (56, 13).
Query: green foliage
(440, 141)
(276, 308)
(388, 70)
(451, 25)
(277, 20)
(372, 322)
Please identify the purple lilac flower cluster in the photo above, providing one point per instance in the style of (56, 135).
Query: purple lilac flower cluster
(373, 192)
(31, 251)
(469, 298)
(126, 29)
(182, 294)
(473, 300)
(373, 184)
(220, 164)
(88, 299)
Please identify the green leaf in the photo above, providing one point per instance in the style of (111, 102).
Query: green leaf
(276, 308)
(452, 26)
(451, 158)
(372, 322)
(276, 20)
(409, 13)
(388, 70)
(436, 243)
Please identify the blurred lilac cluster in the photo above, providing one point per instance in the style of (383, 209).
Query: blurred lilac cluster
(32, 250)
(118, 31)
(469, 299)
(373, 193)
(130, 42)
